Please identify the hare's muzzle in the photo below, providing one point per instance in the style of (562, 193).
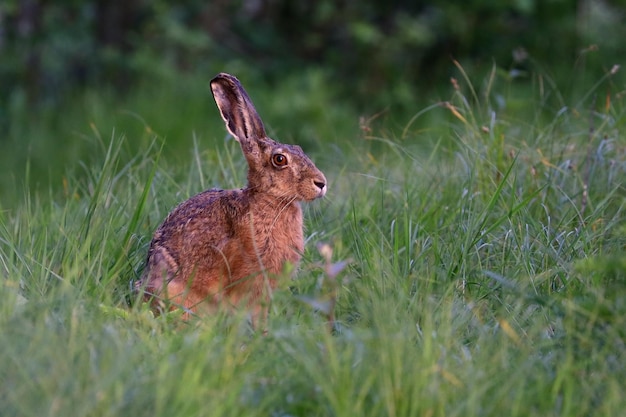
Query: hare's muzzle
(320, 185)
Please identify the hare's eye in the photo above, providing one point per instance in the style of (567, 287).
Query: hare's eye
(279, 160)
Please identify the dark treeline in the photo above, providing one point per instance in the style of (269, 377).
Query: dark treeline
(49, 48)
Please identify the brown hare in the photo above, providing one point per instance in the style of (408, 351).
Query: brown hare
(226, 247)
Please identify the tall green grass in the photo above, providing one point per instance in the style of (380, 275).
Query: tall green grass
(486, 270)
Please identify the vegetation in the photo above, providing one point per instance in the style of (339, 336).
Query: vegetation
(481, 240)
(381, 50)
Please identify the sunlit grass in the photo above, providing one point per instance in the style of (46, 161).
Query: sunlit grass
(484, 271)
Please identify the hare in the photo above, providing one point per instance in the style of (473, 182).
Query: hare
(226, 247)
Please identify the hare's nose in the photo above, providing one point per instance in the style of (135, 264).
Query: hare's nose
(322, 187)
(319, 184)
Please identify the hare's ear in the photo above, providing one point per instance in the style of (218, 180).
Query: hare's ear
(236, 108)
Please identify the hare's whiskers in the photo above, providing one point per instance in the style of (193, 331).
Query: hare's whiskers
(289, 200)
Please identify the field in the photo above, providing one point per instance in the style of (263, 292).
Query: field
(478, 262)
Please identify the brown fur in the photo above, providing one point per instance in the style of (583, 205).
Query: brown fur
(226, 247)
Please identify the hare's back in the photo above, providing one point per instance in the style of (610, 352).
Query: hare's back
(205, 219)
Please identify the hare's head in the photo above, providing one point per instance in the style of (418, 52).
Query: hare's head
(275, 169)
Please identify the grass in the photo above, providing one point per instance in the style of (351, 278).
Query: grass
(484, 273)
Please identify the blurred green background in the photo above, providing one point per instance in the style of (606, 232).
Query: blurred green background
(136, 67)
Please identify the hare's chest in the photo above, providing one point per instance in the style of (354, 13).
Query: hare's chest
(276, 237)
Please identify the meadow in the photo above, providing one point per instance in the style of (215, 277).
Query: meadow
(468, 260)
